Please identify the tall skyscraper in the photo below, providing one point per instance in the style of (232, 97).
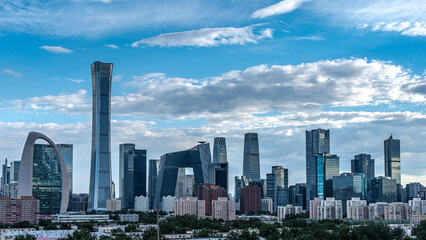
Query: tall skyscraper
(14, 170)
(317, 141)
(363, 163)
(5, 175)
(251, 161)
(393, 159)
(219, 150)
(277, 186)
(327, 168)
(239, 183)
(132, 174)
(100, 169)
(67, 153)
(384, 189)
(154, 166)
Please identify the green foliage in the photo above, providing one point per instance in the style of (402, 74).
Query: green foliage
(131, 228)
(150, 234)
(25, 237)
(420, 230)
(83, 234)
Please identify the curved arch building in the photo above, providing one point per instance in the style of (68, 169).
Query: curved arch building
(46, 180)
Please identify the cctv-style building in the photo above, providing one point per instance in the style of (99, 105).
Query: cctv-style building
(43, 175)
(100, 168)
(198, 158)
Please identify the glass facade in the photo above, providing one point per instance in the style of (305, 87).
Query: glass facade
(240, 182)
(327, 168)
(100, 169)
(14, 170)
(364, 164)
(393, 159)
(46, 181)
(198, 158)
(384, 189)
(67, 153)
(219, 150)
(348, 185)
(277, 186)
(251, 160)
(154, 166)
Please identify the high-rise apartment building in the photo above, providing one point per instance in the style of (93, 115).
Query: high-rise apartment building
(284, 211)
(100, 168)
(153, 167)
(397, 212)
(113, 205)
(19, 210)
(190, 206)
(168, 203)
(357, 209)
(363, 163)
(326, 209)
(224, 209)
(251, 160)
(393, 159)
(210, 192)
(141, 204)
(250, 199)
(219, 150)
(317, 141)
(132, 174)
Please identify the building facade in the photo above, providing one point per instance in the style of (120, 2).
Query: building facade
(100, 168)
(14, 170)
(19, 210)
(384, 189)
(412, 190)
(219, 150)
(208, 193)
(284, 211)
(348, 185)
(250, 199)
(168, 203)
(357, 209)
(251, 159)
(154, 166)
(267, 205)
(141, 204)
(393, 159)
(398, 211)
(326, 209)
(364, 164)
(113, 205)
(224, 209)
(417, 205)
(240, 182)
(190, 206)
(297, 195)
(277, 186)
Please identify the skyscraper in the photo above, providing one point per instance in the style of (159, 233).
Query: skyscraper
(363, 163)
(251, 162)
(239, 183)
(277, 186)
(154, 166)
(14, 170)
(67, 153)
(317, 141)
(219, 150)
(100, 169)
(132, 174)
(327, 167)
(393, 159)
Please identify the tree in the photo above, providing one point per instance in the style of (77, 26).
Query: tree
(420, 230)
(83, 234)
(150, 234)
(25, 237)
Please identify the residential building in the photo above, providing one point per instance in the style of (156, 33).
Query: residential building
(357, 209)
(129, 217)
(250, 199)
(418, 205)
(224, 209)
(210, 192)
(154, 166)
(364, 164)
(190, 206)
(398, 211)
(132, 174)
(393, 159)
(100, 169)
(141, 204)
(251, 159)
(317, 141)
(384, 189)
(113, 205)
(378, 209)
(326, 209)
(43, 175)
(417, 218)
(267, 205)
(284, 211)
(168, 203)
(198, 158)
(240, 182)
(19, 210)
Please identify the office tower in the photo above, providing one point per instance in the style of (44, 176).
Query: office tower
(67, 153)
(11, 190)
(412, 190)
(240, 182)
(132, 174)
(210, 192)
(141, 204)
(267, 205)
(219, 150)
(383, 189)
(326, 209)
(348, 185)
(100, 168)
(277, 186)
(297, 195)
(154, 166)
(363, 163)
(79, 202)
(43, 175)
(393, 159)
(14, 170)
(284, 211)
(184, 184)
(198, 158)
(250, 199)
(190, 206)
(251, 161)
(5, 175)
(317, 141)
(218, 174)
(224, 209)
(168, 203)
(327, 167)
(19, 210)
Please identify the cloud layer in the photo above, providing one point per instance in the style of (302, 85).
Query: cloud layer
(285, 6)
(56, 49)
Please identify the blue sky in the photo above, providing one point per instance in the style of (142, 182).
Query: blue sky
(191, 70)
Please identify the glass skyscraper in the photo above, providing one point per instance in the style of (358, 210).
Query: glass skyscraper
(132, 174)
(154, 166)
(251, 162)
(317, 141)
(219, 150)
(363, 163)
(348, 185)
(384, 189)
(277, 186)
(393, 159)
(100, 169)
(327, 168)
(67, 153)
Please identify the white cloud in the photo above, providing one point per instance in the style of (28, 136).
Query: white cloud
(405, 28)
(207, 37)
(56, 49)
(113, 46)
(314, 38)
(117, 78)
(284, 6)
(75, 80)
(11, 72)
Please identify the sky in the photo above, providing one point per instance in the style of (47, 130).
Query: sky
(189, 71)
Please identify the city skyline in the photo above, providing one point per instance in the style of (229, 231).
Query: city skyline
(277, 73)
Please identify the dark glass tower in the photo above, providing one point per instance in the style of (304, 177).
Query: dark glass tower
(277, 186)
(67, 153)
(100, 169)
(363, 163)
(154, 166)
(317, 141)
(251, 162)
(393, 159)
(132, 174)
(219, 150)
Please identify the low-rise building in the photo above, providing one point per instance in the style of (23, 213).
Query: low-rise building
(224, 209)
(129, 217)
(19, 210)
(190, 206)
(79, 218)
(141, 204)
(326, 209)
(284, 211)
(267, 205)
(50, 234)
(113, 205)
